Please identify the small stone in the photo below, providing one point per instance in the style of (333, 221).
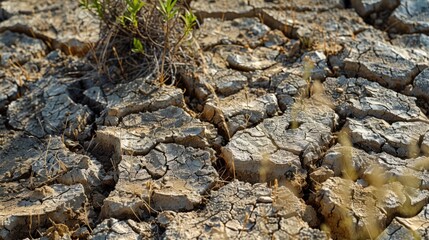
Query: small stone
(259, 59)
(264, 199)
(321, 174)
(421, 85)
(165, 218)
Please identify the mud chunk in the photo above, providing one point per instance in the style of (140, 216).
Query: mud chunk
(417, 45)
(139, 133)
(18, 48)
(398, 139)
(237, 213)
(354, 212)
(95, 98)
(360, 98)
(320, 69)
(46, 160)
(417, 42)
(239, 111)
(169, 177)
(366, 7)
(212, 79)
(410, 17)
(295, 130)
(388, 65)
(244, 59)
(112, 142)
(334, 26)
(128, 229)
(271, 149)
(228, 82)
(198, 84)
(300, 6)
(265, 78)
(408, 228)
(275, 38)
(50, 109)
(321, 174)
(9, 92)
(15, 163)
(252, 156)
(138, 96)
(421, 85)
(172, 124)
(26, 211)
(376, 169)
(56, 161)
(288, 85)
(282, 20)
(241, 31)
(62, 112)
(60, 23)
(222, 9)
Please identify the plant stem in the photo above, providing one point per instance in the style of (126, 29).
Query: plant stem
(164, 52)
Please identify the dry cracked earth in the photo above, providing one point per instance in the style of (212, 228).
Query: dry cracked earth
(309, 120)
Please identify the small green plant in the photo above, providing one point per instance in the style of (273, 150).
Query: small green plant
(93, 5)
(170, 13)
(143, 37)
(137, 46)
(168, 9)
(190, 21)
(133, 8)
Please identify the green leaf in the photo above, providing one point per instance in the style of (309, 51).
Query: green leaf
(190, 21)
(84, 4)
(167, 9)
(132, 9)
(137, 46)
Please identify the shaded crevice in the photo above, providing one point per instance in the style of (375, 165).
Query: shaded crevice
(18, 28)
(348, 4)
(75, 92)
(106, 154)
(195, 108)
(290, 32)
(52, 44)
(378, 16)
(225, 15)
(10, 127)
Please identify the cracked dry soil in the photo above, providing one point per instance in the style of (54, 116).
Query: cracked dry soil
(247, 148)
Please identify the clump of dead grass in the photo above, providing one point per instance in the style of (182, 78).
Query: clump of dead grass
(143, 38)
